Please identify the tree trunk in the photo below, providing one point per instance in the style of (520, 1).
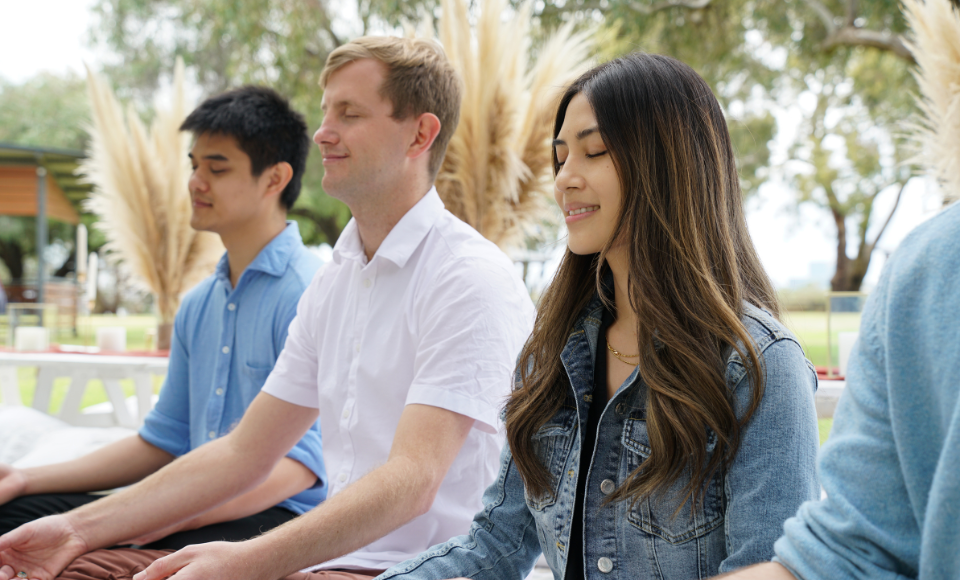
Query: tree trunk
(842, 275)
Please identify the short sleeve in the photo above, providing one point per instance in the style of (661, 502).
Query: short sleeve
(472, 322)
(167, 426)
(294, 376)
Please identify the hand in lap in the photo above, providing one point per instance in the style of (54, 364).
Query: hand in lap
(211, 561)
(40, 549)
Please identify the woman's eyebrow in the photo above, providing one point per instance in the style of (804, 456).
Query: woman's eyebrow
(581, 135)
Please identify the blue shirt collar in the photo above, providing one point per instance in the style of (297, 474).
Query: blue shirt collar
(272, 259)
(402, 240)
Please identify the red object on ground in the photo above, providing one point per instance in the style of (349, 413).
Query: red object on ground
(823, 373)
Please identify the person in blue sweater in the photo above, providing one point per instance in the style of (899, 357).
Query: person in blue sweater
(248, 158)
(891, 468)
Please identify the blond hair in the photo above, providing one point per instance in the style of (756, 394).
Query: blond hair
(419, 80)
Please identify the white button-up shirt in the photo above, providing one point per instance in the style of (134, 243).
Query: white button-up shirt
(437, 317)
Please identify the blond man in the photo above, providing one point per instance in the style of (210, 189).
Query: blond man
(403, 346)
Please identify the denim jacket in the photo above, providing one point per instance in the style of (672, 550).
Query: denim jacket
(740, 518)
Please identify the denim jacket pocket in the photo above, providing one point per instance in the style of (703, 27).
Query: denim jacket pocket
(552, 445)
(658, 515)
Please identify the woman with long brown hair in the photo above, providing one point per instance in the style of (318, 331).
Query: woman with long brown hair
(662, 423)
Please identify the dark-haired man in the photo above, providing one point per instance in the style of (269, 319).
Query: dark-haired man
(403, 345)
(248, 157)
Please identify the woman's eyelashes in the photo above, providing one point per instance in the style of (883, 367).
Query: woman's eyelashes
(587, 155)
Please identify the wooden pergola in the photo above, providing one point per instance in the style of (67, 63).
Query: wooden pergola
(41, 182)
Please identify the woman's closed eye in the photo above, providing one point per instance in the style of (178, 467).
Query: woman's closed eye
(594, 155)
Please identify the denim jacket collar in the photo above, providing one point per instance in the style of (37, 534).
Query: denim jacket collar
(579, 354)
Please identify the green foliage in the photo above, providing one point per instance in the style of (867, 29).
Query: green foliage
(762, 55)
(757, 55)
(18, 239)
(227, 43)
(45, 111)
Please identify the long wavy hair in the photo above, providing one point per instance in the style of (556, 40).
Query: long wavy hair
(692, 265)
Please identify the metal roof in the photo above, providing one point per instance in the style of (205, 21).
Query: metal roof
(61, 164)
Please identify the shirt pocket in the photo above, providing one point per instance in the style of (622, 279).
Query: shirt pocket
(552, 445)
(658, 515)
(257, 374)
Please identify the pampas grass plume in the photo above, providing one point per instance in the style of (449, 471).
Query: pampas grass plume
(935, 44)
(140, 195)
(497, 173)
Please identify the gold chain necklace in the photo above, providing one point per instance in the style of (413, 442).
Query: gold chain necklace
(620, 356)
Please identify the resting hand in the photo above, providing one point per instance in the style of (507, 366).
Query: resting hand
(41, 549)
(12, 483)
(212, 561)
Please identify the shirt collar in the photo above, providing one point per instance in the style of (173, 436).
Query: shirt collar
(273, 258)
(402, 240)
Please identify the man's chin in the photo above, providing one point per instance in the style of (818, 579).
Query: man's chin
(199, 225)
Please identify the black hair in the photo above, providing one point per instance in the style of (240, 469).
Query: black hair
(266, 128)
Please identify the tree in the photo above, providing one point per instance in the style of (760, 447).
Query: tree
(844, 160)
(846, 56)
(45, 111)
(227, 43)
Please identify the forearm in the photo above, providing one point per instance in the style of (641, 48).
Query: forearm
(197, 482)
(121, 463)
(767, 571)
(374, 506)
(287, 479)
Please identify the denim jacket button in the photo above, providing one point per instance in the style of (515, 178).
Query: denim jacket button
(607, 486)
(621, 408)
(605, 565)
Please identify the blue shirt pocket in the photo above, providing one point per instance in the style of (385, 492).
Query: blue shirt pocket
(256, 373)
(659, 515)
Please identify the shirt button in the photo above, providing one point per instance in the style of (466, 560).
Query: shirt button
(605, 565)
(346, 413)
(367, 283)
(607, 486)
(226, 350)
(343, 477)
(212, 434)
(220, 392)
(357, 347)
(231, 306)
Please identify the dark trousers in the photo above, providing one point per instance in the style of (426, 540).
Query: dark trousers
(30, 507)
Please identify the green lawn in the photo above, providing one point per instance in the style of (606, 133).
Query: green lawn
(825, 426)
(811, 330)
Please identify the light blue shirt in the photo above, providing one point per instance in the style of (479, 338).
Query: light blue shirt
(225, 343)
(891, 468)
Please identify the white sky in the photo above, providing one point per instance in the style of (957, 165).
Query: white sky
(51, 35)
(39, 35)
